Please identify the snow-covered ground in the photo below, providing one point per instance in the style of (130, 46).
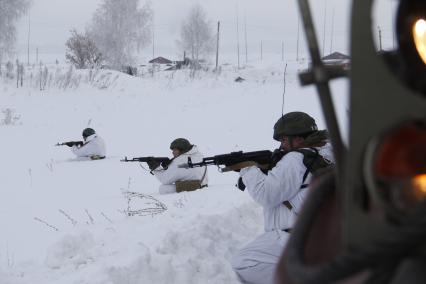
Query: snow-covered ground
(64, 221)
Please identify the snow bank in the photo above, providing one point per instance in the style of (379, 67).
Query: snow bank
(65, 221)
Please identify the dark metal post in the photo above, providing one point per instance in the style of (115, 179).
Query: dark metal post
(321, 78)
(217, 45)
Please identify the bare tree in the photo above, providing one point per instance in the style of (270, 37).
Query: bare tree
(120, 28)
(10, 12)
(197, 33)
(82, 51)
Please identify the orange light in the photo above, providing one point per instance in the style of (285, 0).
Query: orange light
(419, 35)
(419, 184)
(399, 166)
(402, 153)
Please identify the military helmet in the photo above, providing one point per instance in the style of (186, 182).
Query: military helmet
(294, 124)
(87, 132)
(181, 144)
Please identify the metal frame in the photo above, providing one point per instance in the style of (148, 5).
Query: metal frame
(379, 100)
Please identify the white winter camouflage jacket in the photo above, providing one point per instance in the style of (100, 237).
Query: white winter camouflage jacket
(282, 183)
(173, 173)
(94, 146)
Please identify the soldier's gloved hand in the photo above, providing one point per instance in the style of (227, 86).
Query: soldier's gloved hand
(240, 184)
(165, 164)
(152, 164)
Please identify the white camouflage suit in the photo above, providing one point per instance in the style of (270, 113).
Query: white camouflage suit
(256, 262)
(93, 146)
(173, 173)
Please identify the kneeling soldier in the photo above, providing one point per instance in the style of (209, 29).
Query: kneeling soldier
(281, 192)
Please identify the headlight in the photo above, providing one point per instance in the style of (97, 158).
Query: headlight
(396, 168)
(419, 35)
(411, 34)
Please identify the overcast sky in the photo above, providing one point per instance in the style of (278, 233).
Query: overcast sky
(269, 21)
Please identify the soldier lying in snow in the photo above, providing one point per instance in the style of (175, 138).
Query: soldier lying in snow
(176, 179)
(92, 146)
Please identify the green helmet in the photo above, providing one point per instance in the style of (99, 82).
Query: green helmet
(294, 124)
(87, 132)
(181, 144)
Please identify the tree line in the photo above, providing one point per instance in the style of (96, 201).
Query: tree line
(117, 32)
(120, 29)
(10, 12)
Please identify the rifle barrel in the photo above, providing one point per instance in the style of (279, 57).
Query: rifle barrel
(261, 157)
(146, 159)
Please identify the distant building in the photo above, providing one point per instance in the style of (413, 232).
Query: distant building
(181, 64)
(336, 56)
(161, 60)
(239, 79)
(337, 59)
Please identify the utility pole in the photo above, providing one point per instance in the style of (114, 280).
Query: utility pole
(245, 35)
(41, 75)
(217, 45)
(332, 32)
(153, 43)
(17, 73)
(285, 73)
(238, 40)
(380, 38)
(28, 39)
(298, 32)
(393, 24)
(325, 21)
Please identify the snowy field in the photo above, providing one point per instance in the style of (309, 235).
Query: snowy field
(66, 221)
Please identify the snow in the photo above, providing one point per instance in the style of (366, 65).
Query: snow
(63, 220)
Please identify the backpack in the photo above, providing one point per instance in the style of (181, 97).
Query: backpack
(314, 163)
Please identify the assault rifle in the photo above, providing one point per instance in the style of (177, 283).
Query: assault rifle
(70, 143)
(265, 160)
(164, 161)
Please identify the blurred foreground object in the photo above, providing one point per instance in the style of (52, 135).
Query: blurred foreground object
(366, 223)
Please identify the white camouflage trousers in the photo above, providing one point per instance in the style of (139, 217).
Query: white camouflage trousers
(256, 262)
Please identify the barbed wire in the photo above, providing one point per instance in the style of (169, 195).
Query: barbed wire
(153, 205)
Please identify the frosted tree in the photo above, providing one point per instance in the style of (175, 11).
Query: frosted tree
(82, 51)
(10, 12)
(197, 33)
(120, 29)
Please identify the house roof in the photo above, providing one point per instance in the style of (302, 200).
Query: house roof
(336, 55)
(160, 60)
